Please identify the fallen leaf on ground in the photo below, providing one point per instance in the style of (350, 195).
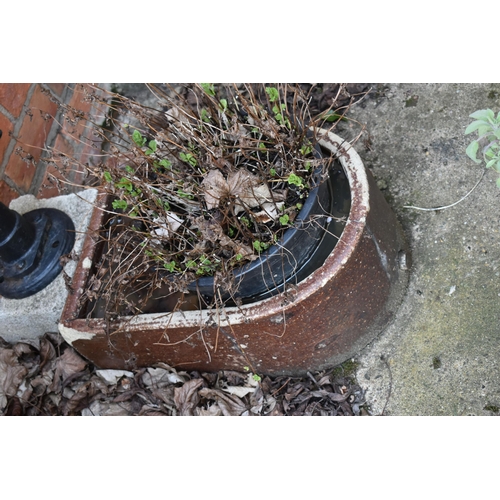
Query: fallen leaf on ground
(48, 377)
(11, 375)
(229, 405)
(111, 377)
(186, 397)
(159, 377)
(67, 365)
(238, 390)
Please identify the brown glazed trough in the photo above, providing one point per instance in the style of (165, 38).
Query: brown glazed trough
(318, 323)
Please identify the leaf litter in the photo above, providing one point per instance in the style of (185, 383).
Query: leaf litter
(48, 377)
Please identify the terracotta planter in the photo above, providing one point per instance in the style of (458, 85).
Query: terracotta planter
(320, 322)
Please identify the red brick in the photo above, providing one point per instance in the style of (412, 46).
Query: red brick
(7, 194)
(57, 87)
(64, 148)
(49, 186)
(31, 138)
(6, 127)
(20, 172)
(62, 145)
(13, 96)
(73, 125)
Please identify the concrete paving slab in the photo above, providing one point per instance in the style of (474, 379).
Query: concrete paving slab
(441, 354)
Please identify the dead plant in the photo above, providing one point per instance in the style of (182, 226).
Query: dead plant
(199, 185)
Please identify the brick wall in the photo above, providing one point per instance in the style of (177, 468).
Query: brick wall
(30, 122)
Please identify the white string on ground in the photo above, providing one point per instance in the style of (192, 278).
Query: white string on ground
(453, 204)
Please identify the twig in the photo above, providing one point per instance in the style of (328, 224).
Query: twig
(311, 376)
(383, 358)
(453, 204)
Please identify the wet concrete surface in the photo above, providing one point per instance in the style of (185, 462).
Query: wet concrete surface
(441, 354)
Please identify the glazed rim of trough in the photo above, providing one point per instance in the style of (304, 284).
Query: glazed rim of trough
(342, 251)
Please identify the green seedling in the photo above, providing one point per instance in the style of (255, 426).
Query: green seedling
(182, 194)
(152, 148)
(138, 138)
(284, 220)
(245, 221)
(188, 158)
(295, 180)
(331, 116)
(273, 94)
(208, 88)
(164, 163)
(120, 205)
(205, 117)
(127, 185)
(170, 266)
(488, 129)
(260, 246)
(306, 149)
(278, 109)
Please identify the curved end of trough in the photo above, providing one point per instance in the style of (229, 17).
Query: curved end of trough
(317, 324)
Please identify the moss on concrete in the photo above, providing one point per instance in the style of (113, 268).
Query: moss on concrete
(443, 348)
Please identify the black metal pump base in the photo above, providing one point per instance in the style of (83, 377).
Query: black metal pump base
(30, 249)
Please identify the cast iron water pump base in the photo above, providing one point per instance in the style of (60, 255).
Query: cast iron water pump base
(30, 249)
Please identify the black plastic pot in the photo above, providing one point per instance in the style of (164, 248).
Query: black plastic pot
(283, 262)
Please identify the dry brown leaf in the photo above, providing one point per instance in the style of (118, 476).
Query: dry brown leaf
(238, 390)
(79, 400)
(212, 231)
(186, 398)
(215, 187)
(127, 395)
(22, 348)
(165, 394)
(148, 411)
(211, 411)
(159, 377)
(47, 352)
(333, 396)
(14, 408)
(70, 363)
(229, 405)
(111, 377)
(325, 380)
(248, 190)
(11, 375)
(103, 408)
